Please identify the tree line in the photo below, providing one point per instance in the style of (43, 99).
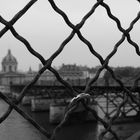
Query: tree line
(127, 75)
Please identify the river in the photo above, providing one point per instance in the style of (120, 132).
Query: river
(15, 127)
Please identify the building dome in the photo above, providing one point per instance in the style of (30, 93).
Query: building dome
(9, 58)
(9, 63)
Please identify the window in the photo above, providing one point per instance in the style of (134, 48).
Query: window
(10, 68)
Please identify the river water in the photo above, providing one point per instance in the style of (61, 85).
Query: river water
(15, 127)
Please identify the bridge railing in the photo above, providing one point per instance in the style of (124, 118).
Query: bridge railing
(47, 65)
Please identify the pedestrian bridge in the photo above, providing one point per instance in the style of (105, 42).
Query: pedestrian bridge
(107, 97)
(94, 90)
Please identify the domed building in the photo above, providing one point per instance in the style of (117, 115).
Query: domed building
(9, 73)
(9, 63)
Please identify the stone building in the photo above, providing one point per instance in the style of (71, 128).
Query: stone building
(10, 74)
(72, 72)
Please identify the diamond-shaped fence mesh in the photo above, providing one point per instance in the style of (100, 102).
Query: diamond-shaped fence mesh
(47, 65)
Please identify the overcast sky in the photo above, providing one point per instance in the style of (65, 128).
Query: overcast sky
(46, 30)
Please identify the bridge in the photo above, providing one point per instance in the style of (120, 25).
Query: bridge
(96, 90)
(107, 97)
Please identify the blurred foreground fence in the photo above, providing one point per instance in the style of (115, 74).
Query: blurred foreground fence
(84, 96)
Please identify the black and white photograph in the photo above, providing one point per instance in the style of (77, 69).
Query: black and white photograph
(69, 69)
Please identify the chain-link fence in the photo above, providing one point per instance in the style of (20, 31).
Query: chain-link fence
(84, 97)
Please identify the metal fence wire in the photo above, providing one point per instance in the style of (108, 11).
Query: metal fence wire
(84, 96)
